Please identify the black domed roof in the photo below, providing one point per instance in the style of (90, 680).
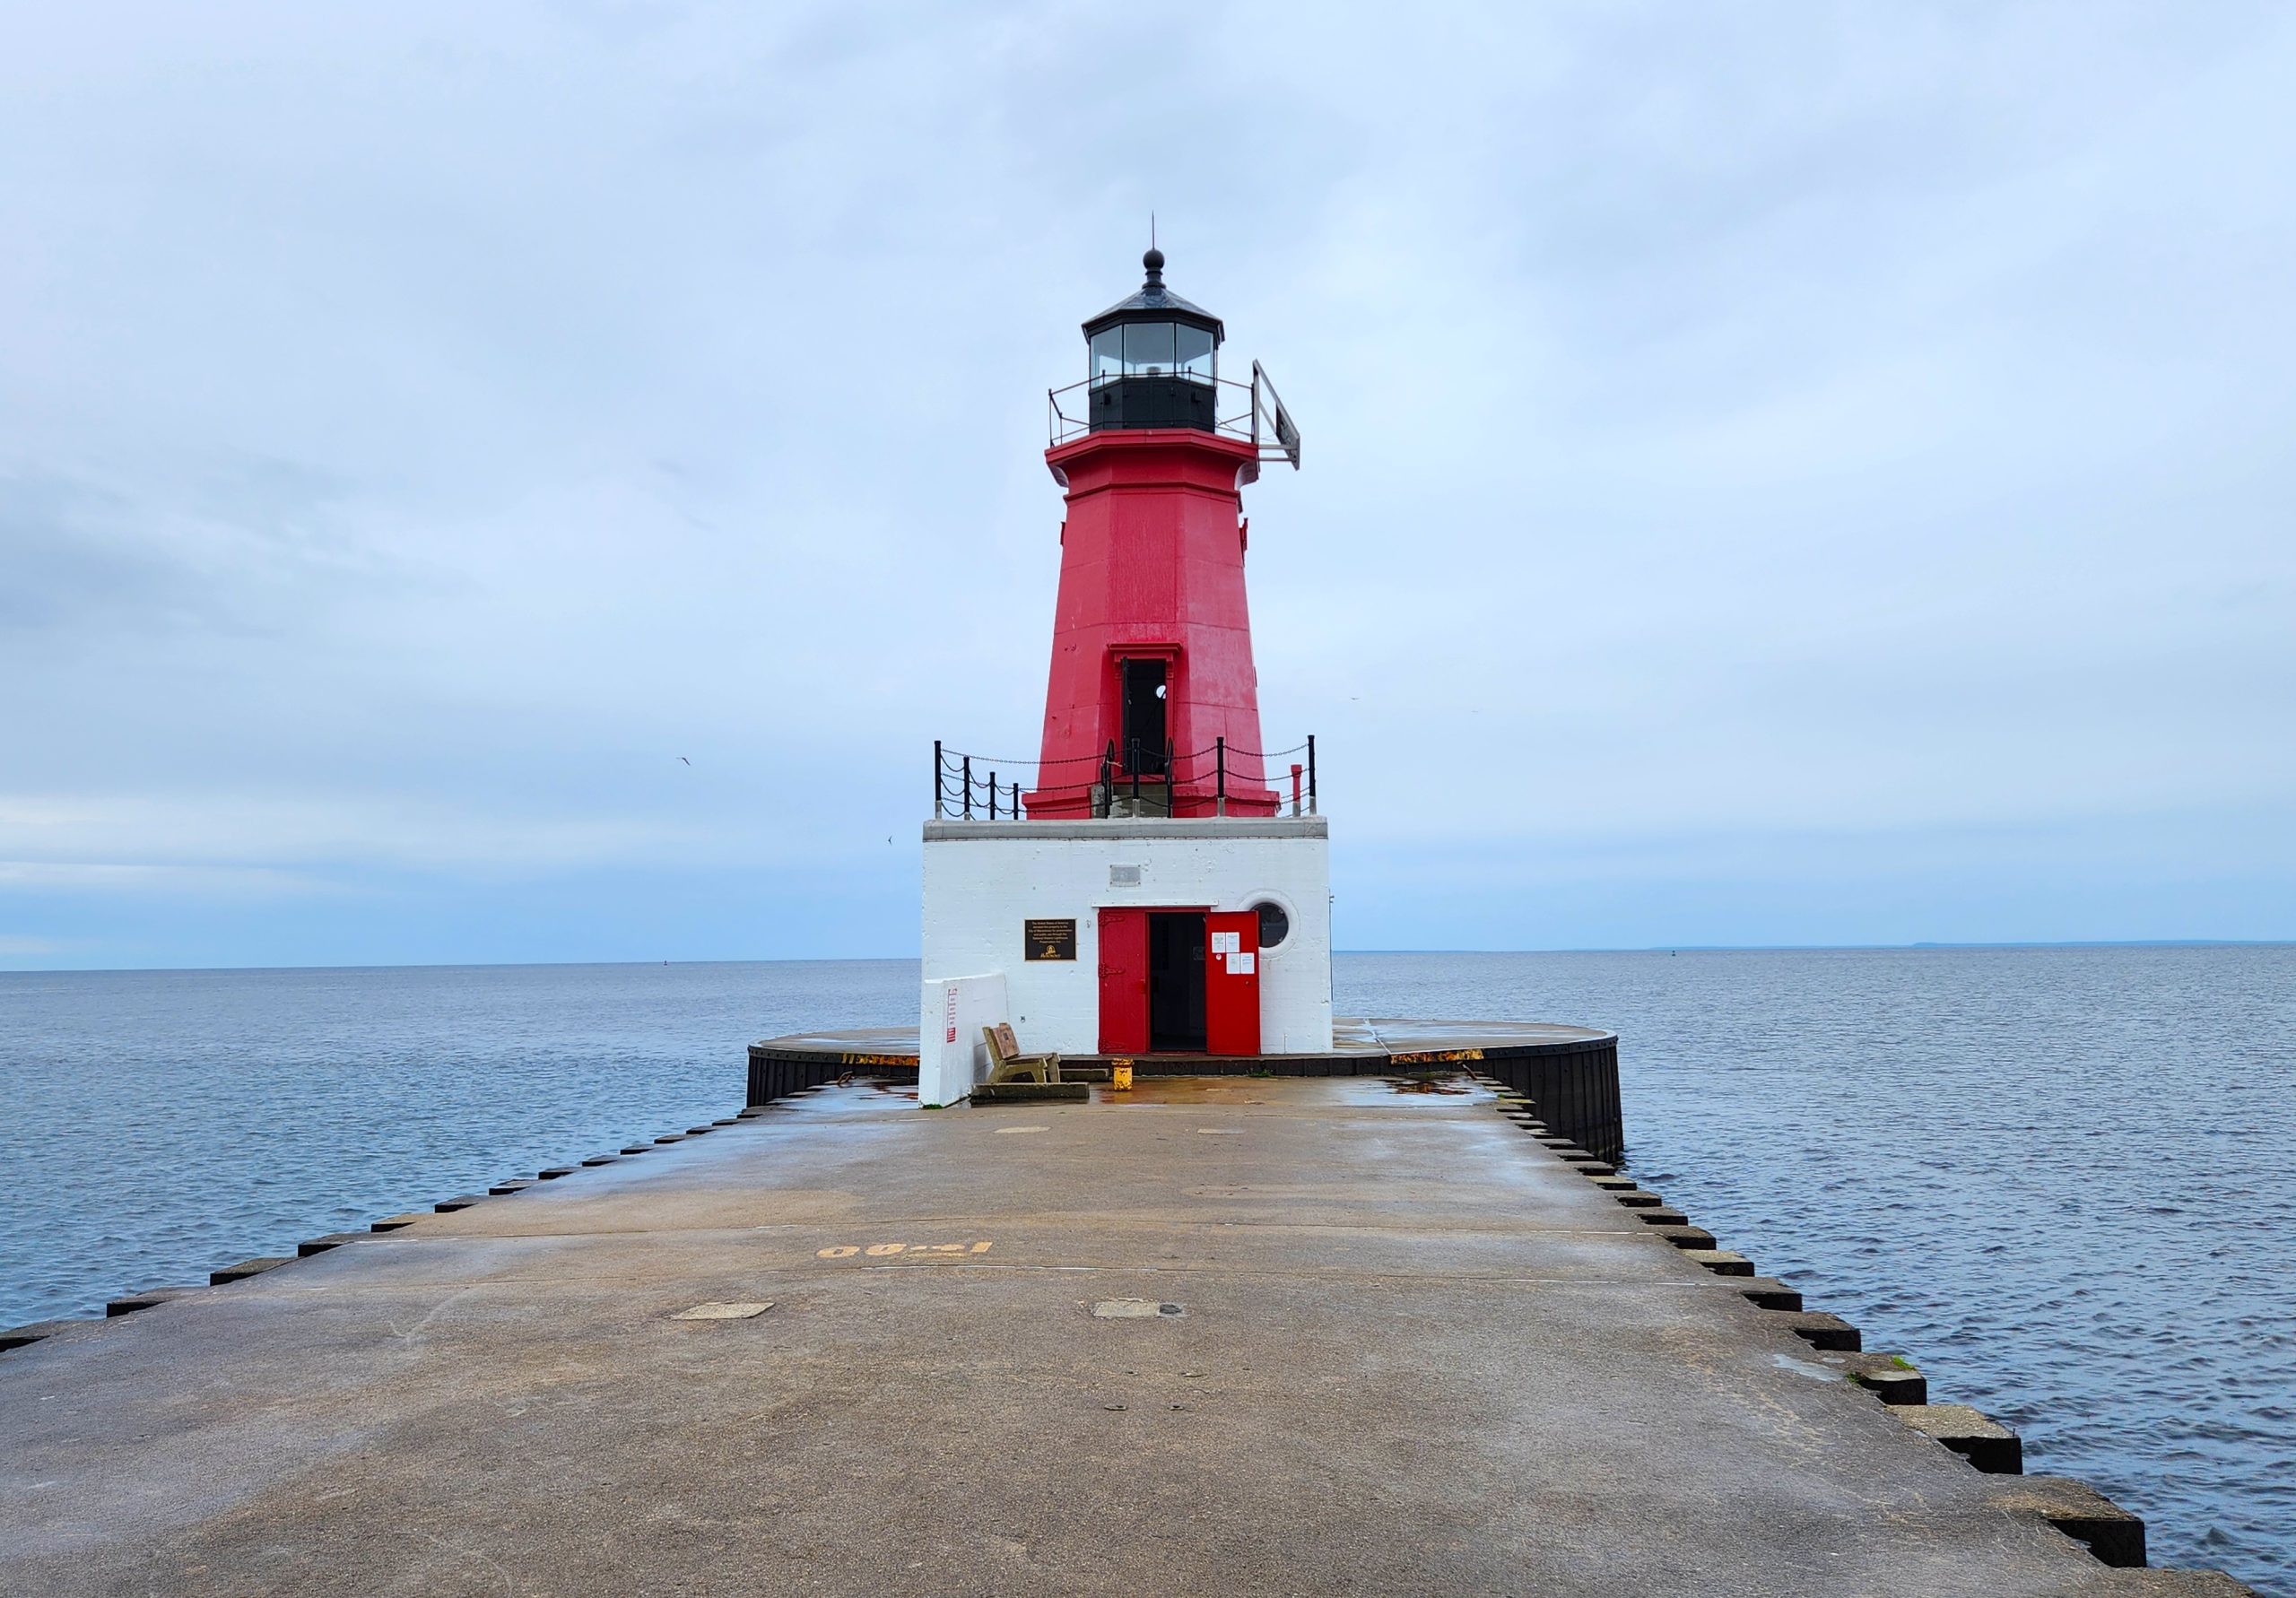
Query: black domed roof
(1156, 303)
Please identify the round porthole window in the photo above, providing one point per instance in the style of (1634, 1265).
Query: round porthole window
(1274, 926)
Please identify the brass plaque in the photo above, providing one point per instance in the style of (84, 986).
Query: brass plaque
(1050, 940)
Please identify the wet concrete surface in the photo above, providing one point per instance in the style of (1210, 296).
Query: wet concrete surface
(1409, 1350)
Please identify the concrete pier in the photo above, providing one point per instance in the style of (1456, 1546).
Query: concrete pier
(1215, 1335)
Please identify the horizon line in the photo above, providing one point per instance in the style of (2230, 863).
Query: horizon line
(1652, 949)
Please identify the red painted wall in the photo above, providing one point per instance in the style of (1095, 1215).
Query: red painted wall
(1152, 558)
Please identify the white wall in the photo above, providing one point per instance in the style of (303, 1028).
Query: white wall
(951, 1058)
(983, 879)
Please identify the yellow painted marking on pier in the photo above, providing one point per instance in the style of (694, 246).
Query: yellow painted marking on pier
(846, 1251)
(1221, 1131)
(1432, 1056)
(1003, 1130)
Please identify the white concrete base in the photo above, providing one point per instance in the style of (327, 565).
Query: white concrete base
(984, 879)
(953, 1057)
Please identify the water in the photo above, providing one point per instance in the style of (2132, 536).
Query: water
(2062, 1180)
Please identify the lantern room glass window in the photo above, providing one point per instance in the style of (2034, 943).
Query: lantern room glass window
(1153, 349)
(1192, 351)
(1148, 349)
(1108, 355)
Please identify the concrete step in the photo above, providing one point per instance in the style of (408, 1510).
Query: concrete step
(2114, 1534)
(247, 1268)
(1031, 1093)
(1986, 1444)
(149, 1299)
(1767, 1292)
(1682, 1236)
(33, 1332)
(1823, 1331)
(1890, 1377)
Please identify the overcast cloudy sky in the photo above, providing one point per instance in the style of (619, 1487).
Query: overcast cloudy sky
(1785, 473)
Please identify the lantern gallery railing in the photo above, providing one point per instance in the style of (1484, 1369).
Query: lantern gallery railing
(1222, 780)
(1250, 411)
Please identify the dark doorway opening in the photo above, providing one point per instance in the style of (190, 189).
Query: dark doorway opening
(1144, 727)
(1176, 981)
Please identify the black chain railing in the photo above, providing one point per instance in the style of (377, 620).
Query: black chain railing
(1224, 779)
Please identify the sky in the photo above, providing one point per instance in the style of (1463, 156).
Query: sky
(530, 482)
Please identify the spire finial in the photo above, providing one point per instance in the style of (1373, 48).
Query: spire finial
(1154, 261)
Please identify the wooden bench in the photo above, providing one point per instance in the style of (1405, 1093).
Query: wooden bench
(1007, 1064)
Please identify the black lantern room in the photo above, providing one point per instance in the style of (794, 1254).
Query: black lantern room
(1155, 359)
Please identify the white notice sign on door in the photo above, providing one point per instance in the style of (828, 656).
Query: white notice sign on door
(1241, 964)
(1224, 943)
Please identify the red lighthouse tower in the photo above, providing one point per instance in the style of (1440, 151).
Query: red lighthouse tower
(1158, 896)
(1152, 706)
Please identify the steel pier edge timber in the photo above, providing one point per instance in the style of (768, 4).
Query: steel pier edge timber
(777, 1072)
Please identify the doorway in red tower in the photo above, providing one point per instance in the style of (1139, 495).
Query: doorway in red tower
(1178, 981)
(1145, 689)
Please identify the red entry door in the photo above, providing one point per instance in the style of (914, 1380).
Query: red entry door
(1124, 982)
(1231, 982)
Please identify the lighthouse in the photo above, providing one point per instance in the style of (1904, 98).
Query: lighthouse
(1162, 886)
(1151, 639)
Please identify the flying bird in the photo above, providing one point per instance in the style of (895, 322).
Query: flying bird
(682, 758)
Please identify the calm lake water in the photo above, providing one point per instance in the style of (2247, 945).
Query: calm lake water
(2062, 1180)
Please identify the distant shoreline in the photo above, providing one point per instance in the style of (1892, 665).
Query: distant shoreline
(1652, 948)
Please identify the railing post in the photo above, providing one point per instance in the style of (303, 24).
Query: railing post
(1108, 780)
(1220, 752)
(967, 773)
(1135, 776)
(1016, 798)
(936, 779)
(1295, 787)
(992, 795)
(1312, 774)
